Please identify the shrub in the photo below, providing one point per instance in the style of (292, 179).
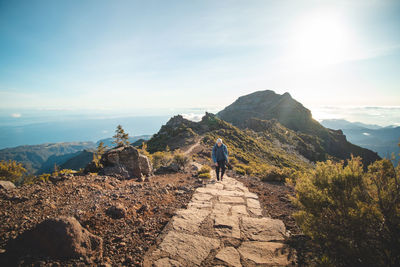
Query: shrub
(273, 173)
(11, 171)
(161, 158)
(205, 175)
(352, 215)
(242, 169)
(204, 169)
(180, 159)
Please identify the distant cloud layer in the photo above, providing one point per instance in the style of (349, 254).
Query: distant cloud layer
(383, 116)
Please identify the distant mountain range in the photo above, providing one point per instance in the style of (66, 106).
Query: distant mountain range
(76, 129)
(38, 159)
(383, 140)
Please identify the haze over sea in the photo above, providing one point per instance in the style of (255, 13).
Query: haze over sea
(30, 127)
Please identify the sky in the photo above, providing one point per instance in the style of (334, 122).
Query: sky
(155, 57)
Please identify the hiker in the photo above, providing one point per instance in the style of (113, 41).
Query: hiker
(220, 157)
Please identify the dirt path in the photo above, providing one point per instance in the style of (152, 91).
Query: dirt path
(190, 149)
(222, 226)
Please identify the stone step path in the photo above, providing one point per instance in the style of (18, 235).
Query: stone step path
(222, 226)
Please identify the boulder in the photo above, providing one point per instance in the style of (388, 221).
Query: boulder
(172, 168)
(125, 163)
(62, 238)
(6, 185)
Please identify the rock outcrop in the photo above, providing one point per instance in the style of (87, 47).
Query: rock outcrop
(125, 163)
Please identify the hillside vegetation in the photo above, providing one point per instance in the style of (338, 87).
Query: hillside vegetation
(352, 215)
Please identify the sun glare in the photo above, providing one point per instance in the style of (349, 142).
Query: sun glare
(320, 39)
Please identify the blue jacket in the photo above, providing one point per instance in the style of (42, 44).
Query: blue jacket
(215, 150)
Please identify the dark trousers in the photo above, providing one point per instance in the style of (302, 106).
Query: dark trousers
(221, 166)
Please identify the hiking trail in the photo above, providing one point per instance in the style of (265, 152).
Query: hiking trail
(222, 225)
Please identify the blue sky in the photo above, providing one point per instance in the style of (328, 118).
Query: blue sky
(122, 56)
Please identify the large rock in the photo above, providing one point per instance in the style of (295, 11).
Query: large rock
(63, 238)
(6, 185)
(125, 163)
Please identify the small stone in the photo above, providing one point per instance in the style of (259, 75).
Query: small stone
(117, 211)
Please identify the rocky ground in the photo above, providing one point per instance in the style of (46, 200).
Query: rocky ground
(147, 208)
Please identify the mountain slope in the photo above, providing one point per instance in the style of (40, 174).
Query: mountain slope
(267, 105)
(245, 146)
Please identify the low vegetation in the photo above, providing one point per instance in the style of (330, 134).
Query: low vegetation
(352, 215)
(180, 159)
(204, 172)
(12, 171)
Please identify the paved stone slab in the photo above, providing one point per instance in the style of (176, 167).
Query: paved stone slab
(256, 212)
(189, 219)
(229, 255)
(250, 195)
(239, 209)
(200, 205)
(270, 253)
(202, 197)
(167, 262)
(263, 229)
(192, 248)
(221, 208)
(253, 203)
(205, 190)
(227, 226)
(226, 199)
(218, 186)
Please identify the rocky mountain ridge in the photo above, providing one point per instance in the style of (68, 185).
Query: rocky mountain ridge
(267, 105)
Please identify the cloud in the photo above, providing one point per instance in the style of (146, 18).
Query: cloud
(380, 115)
(16, 115)
(192, 116)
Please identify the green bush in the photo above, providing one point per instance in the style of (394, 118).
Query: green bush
(204, 169)
(205, 175)
(352, 215)
(273, 173)
(161, 158)
(180, 159)
(11, 171)
(242, 169)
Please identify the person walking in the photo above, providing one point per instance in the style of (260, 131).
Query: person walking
(220, 157)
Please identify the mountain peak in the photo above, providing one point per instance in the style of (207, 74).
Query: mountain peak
(268, 105)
